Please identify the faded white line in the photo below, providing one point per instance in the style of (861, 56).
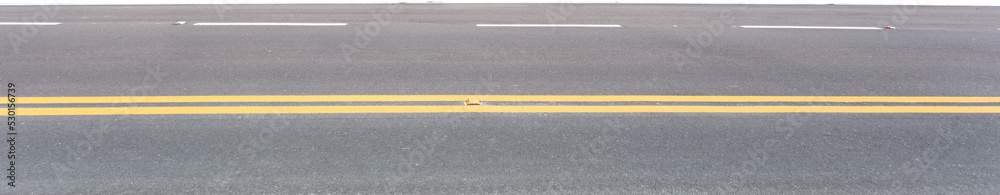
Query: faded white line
(270, 24)
(551, 25)
(30, 23)
(814, 27)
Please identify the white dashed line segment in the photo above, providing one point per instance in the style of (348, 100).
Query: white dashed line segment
(814, 27)
(270, 24)
(551, 25)
(30, 23)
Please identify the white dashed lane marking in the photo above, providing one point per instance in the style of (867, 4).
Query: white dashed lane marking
(270, 24)
(552, 25)
(30, 23)
(813, 27)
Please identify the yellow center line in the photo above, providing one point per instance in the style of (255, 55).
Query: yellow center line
(499, 98)
(500, 109)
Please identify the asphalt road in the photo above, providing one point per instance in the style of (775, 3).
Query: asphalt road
(439, 50)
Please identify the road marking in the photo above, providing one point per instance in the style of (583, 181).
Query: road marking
(498, 109)
(270, 24)
(498, 98)
(813, 27)
(551, 25)
(30, 23)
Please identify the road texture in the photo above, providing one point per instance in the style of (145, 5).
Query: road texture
(129, 53)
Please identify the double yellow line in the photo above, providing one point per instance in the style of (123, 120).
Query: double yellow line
(496, 98)
(499, 109)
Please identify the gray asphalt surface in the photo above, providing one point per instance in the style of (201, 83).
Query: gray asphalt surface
(437, 49)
